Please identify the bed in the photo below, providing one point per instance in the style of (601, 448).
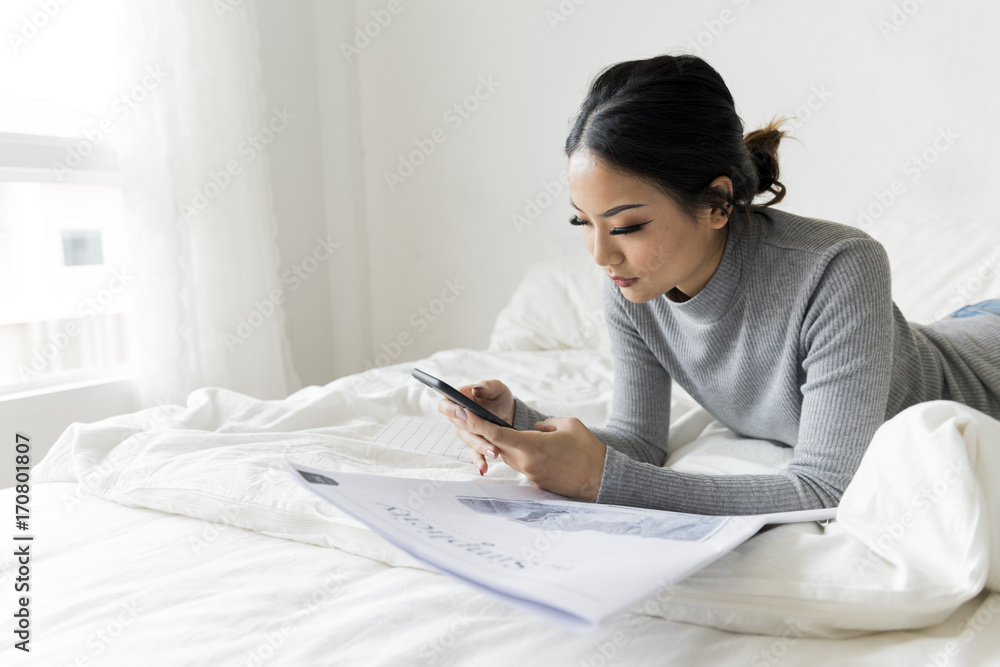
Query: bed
(173, 535)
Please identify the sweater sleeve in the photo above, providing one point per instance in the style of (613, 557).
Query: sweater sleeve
(845, 340)
(639, 422)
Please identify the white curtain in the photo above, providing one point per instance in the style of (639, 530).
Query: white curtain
(198, 205)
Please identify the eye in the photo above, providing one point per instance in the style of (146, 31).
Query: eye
(630, 229)
(615, 231)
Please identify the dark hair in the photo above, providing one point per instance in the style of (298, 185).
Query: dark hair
(671, 121)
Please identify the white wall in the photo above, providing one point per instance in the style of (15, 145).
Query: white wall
(886, 98)
(878, 98)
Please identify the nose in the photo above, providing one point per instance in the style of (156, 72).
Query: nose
(605, 250)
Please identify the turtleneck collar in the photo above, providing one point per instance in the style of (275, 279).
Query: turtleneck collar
(712, 302)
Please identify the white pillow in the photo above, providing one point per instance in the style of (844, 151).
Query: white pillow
(940, 264)
(558, 305)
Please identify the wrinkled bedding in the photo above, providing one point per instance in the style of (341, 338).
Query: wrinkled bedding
(189, 507)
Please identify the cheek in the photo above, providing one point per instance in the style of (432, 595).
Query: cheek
(653, 258)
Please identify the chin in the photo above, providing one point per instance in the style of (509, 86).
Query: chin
(636, 296)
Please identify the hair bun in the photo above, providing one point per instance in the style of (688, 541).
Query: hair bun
(763, 147)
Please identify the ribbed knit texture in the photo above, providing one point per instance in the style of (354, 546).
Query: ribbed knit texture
(795, 339)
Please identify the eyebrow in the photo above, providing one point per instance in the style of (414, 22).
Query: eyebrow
(611, 211)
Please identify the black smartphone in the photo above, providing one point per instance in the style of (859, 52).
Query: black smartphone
(456, 396)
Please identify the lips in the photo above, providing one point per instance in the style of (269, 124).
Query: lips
(623, 282)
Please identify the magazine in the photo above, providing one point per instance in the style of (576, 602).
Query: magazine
(571, 561)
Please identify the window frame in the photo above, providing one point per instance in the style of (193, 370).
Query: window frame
(31, 157)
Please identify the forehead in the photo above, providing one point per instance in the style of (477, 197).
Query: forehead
(593, 183)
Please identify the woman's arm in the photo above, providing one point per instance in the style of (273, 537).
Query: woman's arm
(846, 337)
(639, 423)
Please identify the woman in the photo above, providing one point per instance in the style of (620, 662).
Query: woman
(782, 327)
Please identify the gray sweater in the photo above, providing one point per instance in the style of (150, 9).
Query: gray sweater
(795, 339)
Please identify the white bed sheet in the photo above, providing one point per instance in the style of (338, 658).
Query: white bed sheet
(117, 585)
(209, 474)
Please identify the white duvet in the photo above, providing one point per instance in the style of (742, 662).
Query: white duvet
(916, 536)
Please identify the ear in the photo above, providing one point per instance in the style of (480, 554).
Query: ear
(719, 217)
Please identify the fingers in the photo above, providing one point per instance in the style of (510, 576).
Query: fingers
(479, 462)
(490, 432)
(479, 449)
(447, 407)
(546, 426)
(484, 391)
(479, 445)
(493, 434)
(487, 390)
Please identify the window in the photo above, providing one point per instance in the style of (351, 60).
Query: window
(82, 247)
(64, 291)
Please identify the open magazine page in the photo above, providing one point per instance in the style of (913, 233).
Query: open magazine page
(571, 561)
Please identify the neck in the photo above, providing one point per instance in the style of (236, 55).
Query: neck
(682, 293)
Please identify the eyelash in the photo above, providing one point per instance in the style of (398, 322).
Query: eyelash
(614, 232)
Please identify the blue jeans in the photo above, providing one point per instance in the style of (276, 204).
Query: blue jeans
(992, 306)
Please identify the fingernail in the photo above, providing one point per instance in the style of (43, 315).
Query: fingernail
(479, 386)
(492, 453)
(460, 413)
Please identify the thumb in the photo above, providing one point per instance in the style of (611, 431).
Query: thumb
(486, 389)
(546, 426)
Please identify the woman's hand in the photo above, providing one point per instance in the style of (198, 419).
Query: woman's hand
(492, 395)
(561, 455)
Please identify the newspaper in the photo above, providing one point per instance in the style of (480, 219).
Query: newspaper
(571, 561)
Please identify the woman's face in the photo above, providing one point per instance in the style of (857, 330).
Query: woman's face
(663, 247)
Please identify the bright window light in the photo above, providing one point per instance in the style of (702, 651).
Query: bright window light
(64, 292)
